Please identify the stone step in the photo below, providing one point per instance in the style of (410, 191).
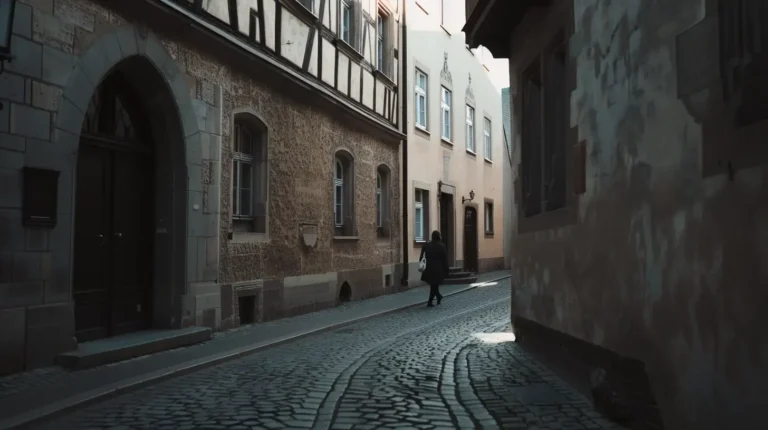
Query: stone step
(455, 275)
(132, 345)
(455, 269)
(457, 281)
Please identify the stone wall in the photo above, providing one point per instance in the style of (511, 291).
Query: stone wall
(664, 264)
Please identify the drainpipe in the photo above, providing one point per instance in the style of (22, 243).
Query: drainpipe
(404, 128)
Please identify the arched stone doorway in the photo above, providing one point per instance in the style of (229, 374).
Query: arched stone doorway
(149, 173)
(114, 201)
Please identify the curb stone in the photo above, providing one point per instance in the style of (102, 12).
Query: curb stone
(27, 419)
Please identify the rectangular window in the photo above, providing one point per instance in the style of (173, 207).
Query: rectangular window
(242, 175)
(421, 99)
(346, 21)
(470, 129)
(445, 114)
(309, 4)
(544, 126)
(381, 45)
(487, 146)
(488, 218)
(419, 214)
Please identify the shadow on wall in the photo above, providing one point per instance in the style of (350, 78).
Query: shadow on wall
(345, 293)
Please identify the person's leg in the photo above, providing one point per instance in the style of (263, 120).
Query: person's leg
(437, 293)
(432, 294)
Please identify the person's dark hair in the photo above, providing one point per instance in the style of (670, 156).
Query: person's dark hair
(436, 236)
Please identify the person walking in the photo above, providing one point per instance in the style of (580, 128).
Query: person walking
(435, 255)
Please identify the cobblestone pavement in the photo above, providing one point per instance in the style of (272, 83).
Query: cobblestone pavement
(425, 368)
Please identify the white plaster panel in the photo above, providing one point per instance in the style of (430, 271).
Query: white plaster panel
(343, 73)
(244, 16)
(293, 38)
(269, 23)
(381, 91)
(313, 56)
(355, 90)
(218, 9)
(369, 83)
(329, 61)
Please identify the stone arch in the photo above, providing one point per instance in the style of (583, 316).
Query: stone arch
(137, 53)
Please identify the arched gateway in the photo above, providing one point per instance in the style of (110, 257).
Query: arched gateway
(128, 121)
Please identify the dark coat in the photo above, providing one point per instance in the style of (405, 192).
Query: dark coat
(437, 263)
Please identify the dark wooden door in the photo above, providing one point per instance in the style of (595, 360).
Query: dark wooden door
(446, 225)
(113, 250)
(90, 277)
(470, 240)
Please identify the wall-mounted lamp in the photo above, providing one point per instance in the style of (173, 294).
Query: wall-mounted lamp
(7, 7)
(471, 197)
(439, 190)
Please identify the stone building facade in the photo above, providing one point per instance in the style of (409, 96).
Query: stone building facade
(649, 261)
(162, 170)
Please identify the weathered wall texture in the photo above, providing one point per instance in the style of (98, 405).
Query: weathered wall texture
(663, 265)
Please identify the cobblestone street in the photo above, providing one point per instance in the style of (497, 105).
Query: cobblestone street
(451, 366)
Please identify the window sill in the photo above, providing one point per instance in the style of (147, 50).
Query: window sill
(488, 234)
(348, 49)
(346, 238)
(422, 130)
(423, 8)
(300, 11)
(385, 78)
(488, 161)
(444, 140)
(471, 153)
(249, 237)
(419, 242)
(445, 30)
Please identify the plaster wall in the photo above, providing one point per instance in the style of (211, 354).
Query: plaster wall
(431, 158)
(663, 264)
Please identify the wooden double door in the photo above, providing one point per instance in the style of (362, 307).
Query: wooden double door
(112, 268)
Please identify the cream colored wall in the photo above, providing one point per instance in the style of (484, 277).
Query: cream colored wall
(428, 41)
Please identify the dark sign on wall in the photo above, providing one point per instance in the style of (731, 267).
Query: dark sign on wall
(40, 197)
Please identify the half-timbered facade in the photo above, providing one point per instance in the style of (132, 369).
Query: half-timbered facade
(195, 165)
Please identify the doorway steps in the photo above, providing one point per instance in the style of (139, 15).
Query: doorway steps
(132, 345)
(457, 275)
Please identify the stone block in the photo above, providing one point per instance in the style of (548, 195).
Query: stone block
(36, 239)
(194, 178)
(58, 66)
(43, 5)
(6, 267)
(212, 251)
(213, 121)
(10, 197)
(18, 294)
(12, 87)
(52, 31)
(192, 270)
(50, 331)
(208, 301)
(12, 142)
(47, 155)
(31, 122)
(12, 338)
(46, 96)
(69, 118)
(22, 20)
(28, 57)
(58, 285)
(11, 232)
(194, 150)
(31, 266)
(155, 51)
(12, 160)
(76, 13)
(126, 38)
(95, 63)
(5, 120)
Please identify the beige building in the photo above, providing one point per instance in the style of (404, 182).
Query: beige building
(176, 163)
(455, 142)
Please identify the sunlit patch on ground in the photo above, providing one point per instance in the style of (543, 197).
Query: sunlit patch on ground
(484, 284)
(495, 338)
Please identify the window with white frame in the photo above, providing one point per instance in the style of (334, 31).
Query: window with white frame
(379, 200)
(470, 128)
(487, 146)
(249, 174)
(445, 113)
(383, 222)
(381, 42)
(343, 194)
(346, 21)
(309, 4)
(488, 217)
(421, 99)
(418, 215)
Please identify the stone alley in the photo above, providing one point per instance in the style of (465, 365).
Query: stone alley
(452, 366)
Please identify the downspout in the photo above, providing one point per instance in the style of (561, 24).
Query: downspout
(404, 147)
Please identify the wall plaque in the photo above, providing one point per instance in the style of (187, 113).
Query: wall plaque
(40, 197)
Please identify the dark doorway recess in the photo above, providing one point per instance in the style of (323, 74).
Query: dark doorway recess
(447, 223)
(247, 309)
(470, 239)
(345, 293)
(114, 206)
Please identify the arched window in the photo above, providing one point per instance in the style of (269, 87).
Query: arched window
(383, 221)
(249, 174)
(343, 194)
